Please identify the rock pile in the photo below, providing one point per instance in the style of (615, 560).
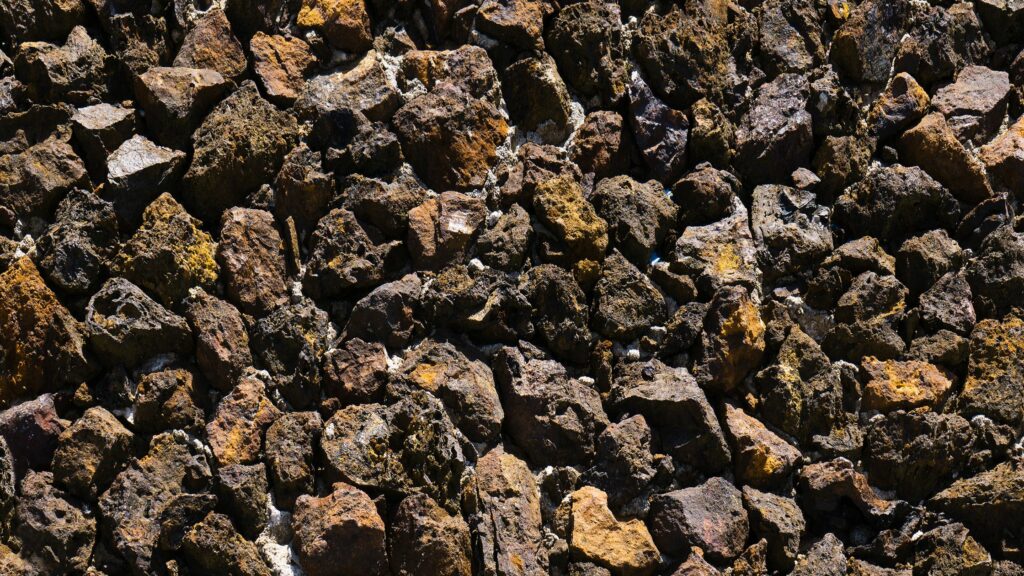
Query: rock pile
(511, 287)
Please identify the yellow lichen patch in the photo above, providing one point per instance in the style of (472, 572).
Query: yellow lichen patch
(724, 258)
(426, 376)
(898, 385)
(745, 322)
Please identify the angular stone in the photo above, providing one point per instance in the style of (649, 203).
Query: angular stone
(505, 244)
(712, 135)
(251, 257)
(450, 138)
(242, 490)
(467, 68)
(537, 98)
(933, 146)
(442, 229)
(975, 104)
(175, 100)
(626, 303)
(58, 533)
(464, 384)
(388, 313)
(864, 46)
(790, 228)
(99, 130)
(170, 399)
(625, 547)
(31, 431)
(901, 105)
(42, 344)
(211, 45)
(586, 41)
(516, 22)
(503, 487)
(425, 539)
(344, 256)
(222, 341)
(281, 63)
(1004, 158)
(75, 251)
(710, 516)
(994, 386)
(894, 385)
(559, 310)
(34, 180)
(552, 417)
(661, 132)
(239, 146)
(214, 547)
(824, 485)
(235, 432)
(824, 558)
(137, 172)
(778, 520)
(23, 21)
(733, 340)
(289, 343)
(639, 216)
(719, 254)
(922, 260)
(624, 464)
(950, 549)
(675, 406)
(356, 373)
(775, 136)
(290, 453)
(169, 254)
(984, 502)
(602, 145)
(345, 24)
(362, 87)
(91, 452)
(761, 457)
(559, 204)
(77, 72)
(302, 189)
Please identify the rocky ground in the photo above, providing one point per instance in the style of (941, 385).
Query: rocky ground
(511, 287)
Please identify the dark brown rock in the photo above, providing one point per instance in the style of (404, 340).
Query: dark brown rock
(425, 539)
(341, 533)
(710, 516)
(251, 258)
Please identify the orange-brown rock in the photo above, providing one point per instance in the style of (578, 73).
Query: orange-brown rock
(281, 64)
(340, 534)
(894, 385)
(345, 24)
(236, 431)
(761, 457)
(624, 547)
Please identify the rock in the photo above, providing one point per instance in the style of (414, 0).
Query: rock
(290, 444)
(99, 130)
(552, 417)
(586, 42)
(213, 546)
(1004, 158)
(281, 63)
(559, 310)
(506, 244)
(895, 385)
(235, 432)
(624, 463)
(673, 404)
(602, 145)
(922, 260)
(423, 454)
(775, 136)
(982, 501)
(761, 457)
(251, 256)
(825, 557)
(363, 87)
(345, 24)
(383, 205)
(916, 453)
(559, 204)
(242, 491)
(302, 189)
(823, 485)
(696, 565)
(625, 547)
(222, 341)
(778, 520)
(450, 138)
(140, 41)
(719, 254)
(639, 216)
(993, 386)
(950, 549)
(77, 72)
(211, 45)
(901, 105)
(943, 42)
(790, 228)
(779, 22)
(388, 313)
(140, 495)
(127, 326)
(685, 55)
(170, 400)
(626, 303)
(995, 274)
(239, 146)
(518, 23)
(169, 254)
(373, 151)
(975, 104)
(48, 20)
(356, 373)
(706, 195)
(91, 452)
(175, 100)
(181, 514)
(34, 180)
(733, 340)
(462, 381)
(57, 533)
(75, 251)
(31, 431)
(871, 296)
(49, 341)
(345, 255)
(289, 343)
(933, 146)
(442, 229)
(864, 46)
(661, 132)
(537, 98)
(340, 533)
(841, 161)
(425, 539)
(467, 68)
(137, 172)
(503, 487)
(710, 516)
(895, 202)
(712, 135)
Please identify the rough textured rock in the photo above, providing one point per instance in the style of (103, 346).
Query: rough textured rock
(624, 547)
(761, 457)
(425, 539)
(211, 45)
(775, 137)
(710, 516)
(281, 64)
(933, 146)
(291, 448)
(222, 341)
(176, 100)
(242, 417)
(341, 530)
(75, 251)
(252, 261)
(345, 24)
(33, 181)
